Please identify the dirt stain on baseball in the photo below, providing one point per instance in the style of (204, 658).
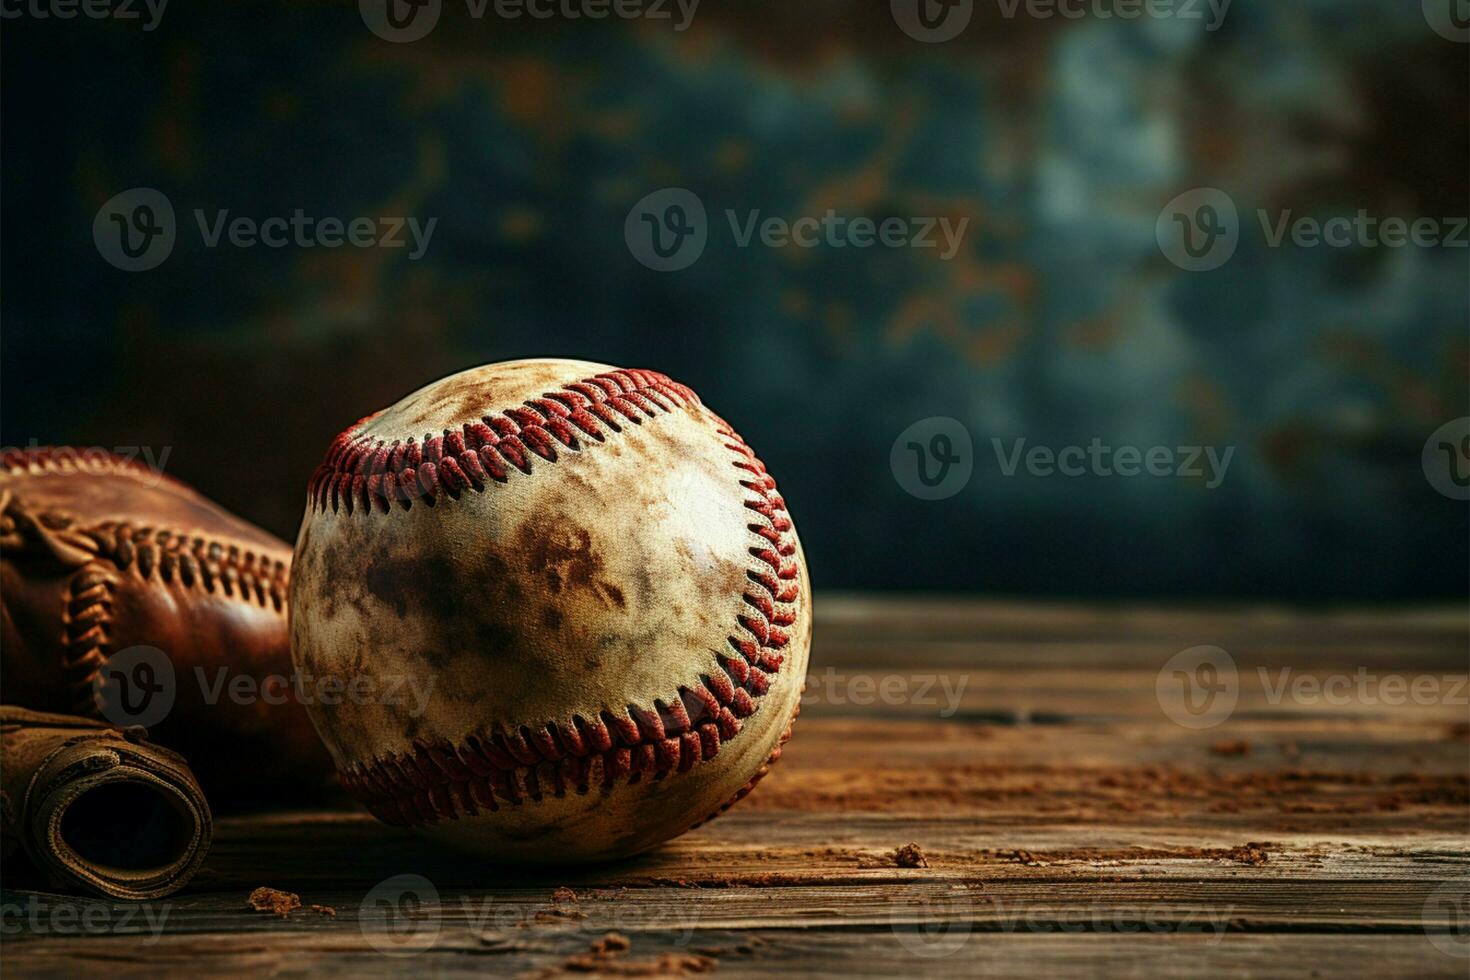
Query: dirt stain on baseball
(568, 561)
(431, 579)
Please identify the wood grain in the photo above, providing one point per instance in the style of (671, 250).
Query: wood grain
(1069, 826)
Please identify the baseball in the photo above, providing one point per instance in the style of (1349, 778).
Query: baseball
(561, 608)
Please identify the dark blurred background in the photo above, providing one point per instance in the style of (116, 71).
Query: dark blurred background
(1059, 319)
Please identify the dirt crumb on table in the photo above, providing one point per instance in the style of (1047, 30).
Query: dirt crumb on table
(1231, 747)
(563, 894)
(610, 944)
(605, 958)
(275, 901)
(1251, 852)
(910, 855)
(326, 910)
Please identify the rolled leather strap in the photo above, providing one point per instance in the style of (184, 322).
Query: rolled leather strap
(97, 808)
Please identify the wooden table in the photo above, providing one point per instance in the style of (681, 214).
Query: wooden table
(1069, 826)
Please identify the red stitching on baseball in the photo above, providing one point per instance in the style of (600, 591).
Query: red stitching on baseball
(360, 473)
(510, 764)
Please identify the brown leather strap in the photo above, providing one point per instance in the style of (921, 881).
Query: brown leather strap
(97, 808)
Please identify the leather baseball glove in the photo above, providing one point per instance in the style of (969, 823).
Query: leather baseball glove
(127, 595)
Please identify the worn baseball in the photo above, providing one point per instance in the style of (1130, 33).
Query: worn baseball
(561, 608)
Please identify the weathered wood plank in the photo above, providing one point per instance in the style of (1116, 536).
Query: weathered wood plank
(316, 850)
(881, 952)
(924, 690)
(1043, 904)
(1068, 823)
(1293, 776)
